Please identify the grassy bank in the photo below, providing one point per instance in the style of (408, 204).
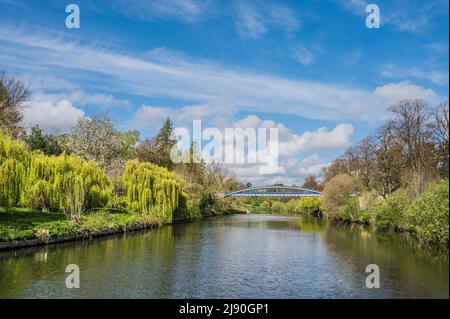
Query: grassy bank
(23, 224)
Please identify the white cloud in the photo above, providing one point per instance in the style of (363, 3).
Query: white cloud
(291, 146)
(58, 113)
(151, 117)
(303, 55)
(255, 19)
(438, 48)
(353, 57)
(339, 137)
(187, 11)
(438, 77)
(52, 116)
(284, 17)
(250, 22)
(200, 81)
(394, 92)
(13, 3)
(308, 166)
(292, 171)
(396, 72)
(104, 101)
(46, 82)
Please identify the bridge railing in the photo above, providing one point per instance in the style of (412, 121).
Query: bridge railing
(259, 192)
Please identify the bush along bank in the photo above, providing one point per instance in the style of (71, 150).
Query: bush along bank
(425, 216)
(303, 205)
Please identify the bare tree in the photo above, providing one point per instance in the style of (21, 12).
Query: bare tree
(440, 127)
(412, 118)
(388, 167)
(311, 183)
(13, 95)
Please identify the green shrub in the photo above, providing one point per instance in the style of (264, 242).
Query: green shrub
(350, 211)
(310, 205)
(337, 191)
(428, 214)
(277, 206)
(391, 212)
(265, 204)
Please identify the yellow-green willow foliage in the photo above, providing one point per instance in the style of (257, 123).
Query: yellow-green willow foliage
(14, 158)
(52, 180)
(58, 183)
(152, 189)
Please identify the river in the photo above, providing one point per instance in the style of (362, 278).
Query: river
(239, 256)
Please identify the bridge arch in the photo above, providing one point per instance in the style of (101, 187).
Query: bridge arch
(293, 191)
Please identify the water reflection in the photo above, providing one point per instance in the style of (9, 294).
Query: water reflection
(242, 256)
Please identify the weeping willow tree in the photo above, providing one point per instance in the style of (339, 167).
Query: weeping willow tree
(151, 189)
(53, 180)
(50, 183)
(14, 159)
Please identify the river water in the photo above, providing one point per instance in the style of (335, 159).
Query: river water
(239, 256)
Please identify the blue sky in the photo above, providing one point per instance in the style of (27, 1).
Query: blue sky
(311, 68)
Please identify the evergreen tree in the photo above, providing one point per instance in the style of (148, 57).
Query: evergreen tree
(157, 150)
(164, 137)
(46, 143)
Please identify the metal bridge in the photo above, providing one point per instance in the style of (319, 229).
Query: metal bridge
(273, 191)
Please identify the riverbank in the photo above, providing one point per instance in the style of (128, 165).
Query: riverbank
(20, 228)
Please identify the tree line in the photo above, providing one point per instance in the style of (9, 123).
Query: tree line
(409, 150)
(140, 174)
(396, 178)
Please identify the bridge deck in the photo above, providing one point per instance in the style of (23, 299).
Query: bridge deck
(272, 194)
(268, 191)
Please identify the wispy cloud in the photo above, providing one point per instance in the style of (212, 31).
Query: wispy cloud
(255, 19)
(250, 21)
(187, 11)
(404, 15)
(202, 82)
(353, 57)
(303, 55)
(392, 71)
(15, 3)
(439, 48)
